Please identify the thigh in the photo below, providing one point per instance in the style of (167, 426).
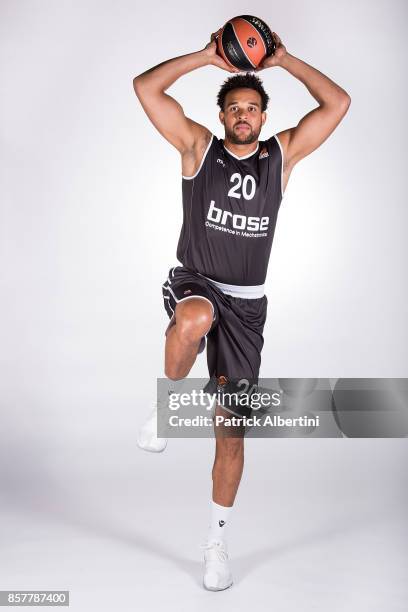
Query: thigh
(234, 352)
(182, 286)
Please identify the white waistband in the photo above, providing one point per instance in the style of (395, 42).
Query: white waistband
(241, 291)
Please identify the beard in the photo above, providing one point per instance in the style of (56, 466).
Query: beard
(240, 137)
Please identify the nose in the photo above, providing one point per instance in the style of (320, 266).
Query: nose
(242, 116)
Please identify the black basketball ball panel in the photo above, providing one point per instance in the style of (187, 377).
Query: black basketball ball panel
(233, 50)
(263, 30)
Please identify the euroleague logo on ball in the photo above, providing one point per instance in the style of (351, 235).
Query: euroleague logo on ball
(251, 42)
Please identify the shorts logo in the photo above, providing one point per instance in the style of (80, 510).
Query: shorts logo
(222, 380)
(221, 523)
(187, 291)
(263, 153)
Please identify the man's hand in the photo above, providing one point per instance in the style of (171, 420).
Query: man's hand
(214, 58)
(276, 58)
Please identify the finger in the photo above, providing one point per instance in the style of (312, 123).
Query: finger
(221, 62)
(225, 66)
(215, 34)
(277, 39)
(231, 68)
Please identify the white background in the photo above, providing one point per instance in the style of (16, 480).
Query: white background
(90, 217)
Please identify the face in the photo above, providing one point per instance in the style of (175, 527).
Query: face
(242, 116)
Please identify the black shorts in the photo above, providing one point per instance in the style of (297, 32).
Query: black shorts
(235, 339)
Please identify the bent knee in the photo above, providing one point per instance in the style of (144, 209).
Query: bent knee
(194, 318)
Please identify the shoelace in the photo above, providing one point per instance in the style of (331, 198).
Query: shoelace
(219, 549)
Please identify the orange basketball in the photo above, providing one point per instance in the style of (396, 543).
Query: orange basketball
(245, 41)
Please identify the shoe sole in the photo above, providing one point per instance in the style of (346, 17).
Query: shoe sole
(150, 450)
(215, 589)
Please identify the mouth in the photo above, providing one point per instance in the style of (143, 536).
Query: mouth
(242, 126)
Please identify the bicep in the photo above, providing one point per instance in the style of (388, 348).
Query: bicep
(169, 119)
(312, 130)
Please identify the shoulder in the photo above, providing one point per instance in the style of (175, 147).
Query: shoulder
(203, 142)
(192, 158)
(200, 140)
(282, 139)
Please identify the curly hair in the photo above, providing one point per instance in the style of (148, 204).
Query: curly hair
(249, 80)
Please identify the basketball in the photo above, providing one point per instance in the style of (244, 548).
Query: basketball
(244, 42)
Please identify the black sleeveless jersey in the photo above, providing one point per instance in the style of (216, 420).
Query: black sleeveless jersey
(230, 208)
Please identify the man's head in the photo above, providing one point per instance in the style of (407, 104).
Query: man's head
(243, 102)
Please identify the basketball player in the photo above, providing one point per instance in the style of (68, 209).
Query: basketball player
(232, 189)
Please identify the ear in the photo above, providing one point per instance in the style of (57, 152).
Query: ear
(264, 116)
(221, 116)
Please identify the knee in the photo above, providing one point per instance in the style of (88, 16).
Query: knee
(193, 319)
(172, 373)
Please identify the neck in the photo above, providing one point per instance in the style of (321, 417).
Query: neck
(240, 149)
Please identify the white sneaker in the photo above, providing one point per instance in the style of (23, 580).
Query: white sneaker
(147, 436)
(217, 575)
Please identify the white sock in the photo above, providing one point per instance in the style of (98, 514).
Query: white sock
(175, 386)
(168, 387)
(219, 521)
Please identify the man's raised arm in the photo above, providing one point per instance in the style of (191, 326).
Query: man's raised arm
(165, 112)
(317, 125)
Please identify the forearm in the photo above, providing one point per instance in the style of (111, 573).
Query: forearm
(163, 75)
(323, 89)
